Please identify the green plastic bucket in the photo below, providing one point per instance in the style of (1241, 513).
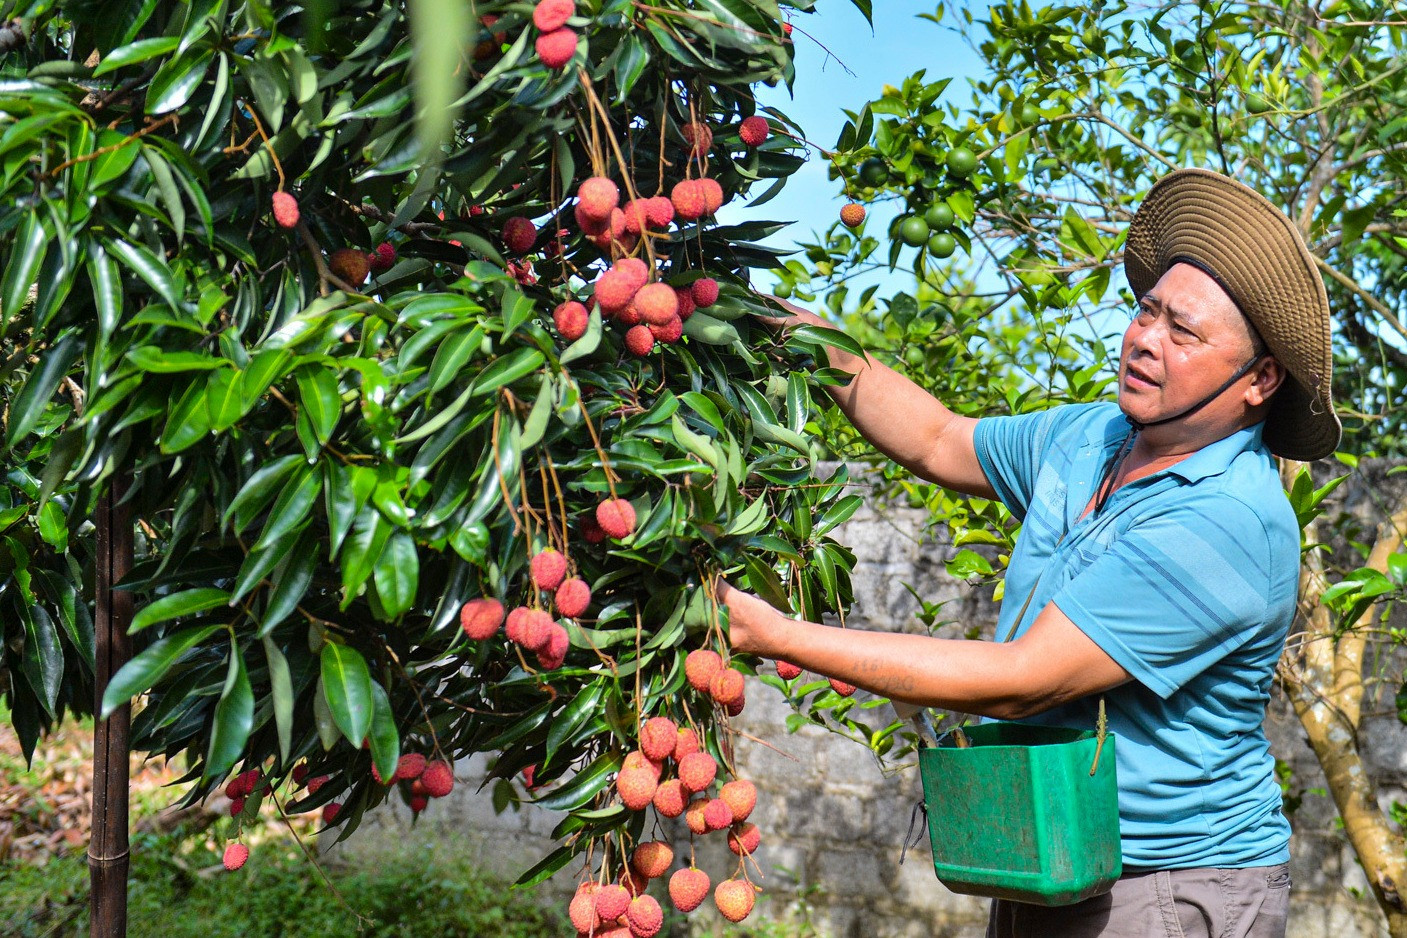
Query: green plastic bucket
(1018, 816)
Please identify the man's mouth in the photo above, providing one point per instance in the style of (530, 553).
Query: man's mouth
(1134, 376)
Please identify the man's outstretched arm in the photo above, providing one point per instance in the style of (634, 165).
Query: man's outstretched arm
(901, 419)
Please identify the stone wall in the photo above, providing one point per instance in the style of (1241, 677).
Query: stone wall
(834, 819)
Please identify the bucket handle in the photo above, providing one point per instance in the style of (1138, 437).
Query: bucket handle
(910, 839)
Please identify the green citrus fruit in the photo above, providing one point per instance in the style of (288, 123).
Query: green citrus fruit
(783, 291)
(913, 230)
(961, 162)
(1256, 103)
(939, 216)
(1030, 114)
(942, 244)
(914, 357)
(873, 171)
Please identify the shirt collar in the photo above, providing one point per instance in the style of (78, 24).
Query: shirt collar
(1212, 459)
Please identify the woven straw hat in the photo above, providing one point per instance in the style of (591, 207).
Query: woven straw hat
(1258, 257)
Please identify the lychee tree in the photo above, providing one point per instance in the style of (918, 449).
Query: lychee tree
(403, 322)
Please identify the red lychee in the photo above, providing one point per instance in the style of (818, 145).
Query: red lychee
(616, 516)
(700, 666)
(652, 858)
(519, 233)
(670, 798)
(634, 883)
(637, 216)
(418, 803)
(571, 319)
(611, 902)
(734, 898)
(705, 292)
(694, 816)
(726, 686)
(753, 130)
(300, 773)
(712, 193)
(688, 888)
(582, 910)
(537, 630)
(630, 316)
(699, 137)
(555, 49)
(657, 738)
(744, 838)
(349, 265)
(237, 807)
(438, 779)
(330, 812)
(852, 215)
(645, 917)
(842, 688)
(480, 618)
(786, 29)
(285, 210)
(317, 782)
(410, 766)
(697, 771)
(235, 856)
(614, 290)
(685, 296)
(688, 200)
(572, 598)
(636, 759)
(635, 269)
(786, 670)
(685, 742)
(717, 815)
(657, 303)
(659, 212)
(639, 340)
(669, 333)
(597, 197)
(551, 655)
(741, 796)
(552, 14)
(736, 707)
(549, 568)
(383, 258)
(591, 531)
(517, 621)
(636, 787)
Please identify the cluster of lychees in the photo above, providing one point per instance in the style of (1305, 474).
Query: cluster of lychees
(788, 671)
(421, 779)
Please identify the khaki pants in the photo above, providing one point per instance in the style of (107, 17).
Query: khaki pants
(1197, 903)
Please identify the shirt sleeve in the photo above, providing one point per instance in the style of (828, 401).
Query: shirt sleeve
(1176, 592)
(1011, 450)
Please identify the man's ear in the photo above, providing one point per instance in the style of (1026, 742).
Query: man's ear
(1268, 376)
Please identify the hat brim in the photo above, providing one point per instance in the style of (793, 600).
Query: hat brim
(1260, 259)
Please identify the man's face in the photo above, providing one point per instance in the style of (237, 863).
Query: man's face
(1185, 340)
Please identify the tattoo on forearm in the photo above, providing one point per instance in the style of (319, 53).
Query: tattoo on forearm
(876, 672)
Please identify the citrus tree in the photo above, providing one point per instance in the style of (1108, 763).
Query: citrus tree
(416, 335)
(1014, 204)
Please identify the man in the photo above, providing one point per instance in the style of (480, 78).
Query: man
(1157, 565)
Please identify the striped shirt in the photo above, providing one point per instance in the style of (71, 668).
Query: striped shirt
(1187, 579)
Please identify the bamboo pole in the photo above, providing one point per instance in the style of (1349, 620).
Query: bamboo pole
(108, 850)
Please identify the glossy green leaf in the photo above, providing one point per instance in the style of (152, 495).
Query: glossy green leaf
(281, 689)
(150, 666)
(291, 581)
(256, 494)
(397, 573)
(134, 52)
(234, 718)
(347, 684)
(317, 394)
(294, 504)
(385, 741)
(38, 391)
(185, 603)
(29, 246)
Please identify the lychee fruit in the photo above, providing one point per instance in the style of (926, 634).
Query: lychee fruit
(717, 815)
(685, 742)
(597, 197)
(635, 269)
(636, 759)
(383, 258)
(572, 598)
(741, 796)
(659, 211)
(688, 888)
(234, 788)
(614, 290)
(735, 708)
(670, 798)
(537, 630)
(726, 687)
(669, 333)
(300, 773)
(734, 898)
(438, 778)
(519, 233)
(611, 231)
(552, 14)
(350, 265)
(418, 803)
(694, 816)
(852, 215)
(787, 671)
(753, 130)
(549, 568)
(842, 688)
(582, 909)
(712, 193)
(657, 738)
(637, 216)
(285, 210)
(744, 839)
(555, 49)
(236, 855)
(705, 292)
(591, 531)
(700, 666)
(636, 787)
(699, 137)
(630, 316)
(639, 340)
(480, 618)
(616, 516)
(652, 858)
(697, 771)
(237, 807)
(330, 812)
(571, 319)
(551, 655)
(786, 28)
(317, 782)
(688, 200)
(634, 883)
(644, 916)
(529, 771)
(611, 902)
(411, 766)
(685, 297)
(517, 621)
(657, 303)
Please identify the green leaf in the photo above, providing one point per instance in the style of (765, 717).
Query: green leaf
(583, 785)
(385, 741)
(317, 392)
(259, 491)
(147, 267)
(29, 245)
(156, 359)
(281, 688)
(507, 369)
(43, 661)
(150, 666)
(347, 684)
(135, 52)
(361, 551)
(294, 504)
(590, 339)
(582, 707)
(187, 419)
(452, 355)
(397, 573)
(291, 581)
(548, 865)
(234, 718)
(322, 718)
(177, 79)
(185, 603)
(38, 391)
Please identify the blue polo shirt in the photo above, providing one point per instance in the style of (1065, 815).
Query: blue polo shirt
(1187, 579)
